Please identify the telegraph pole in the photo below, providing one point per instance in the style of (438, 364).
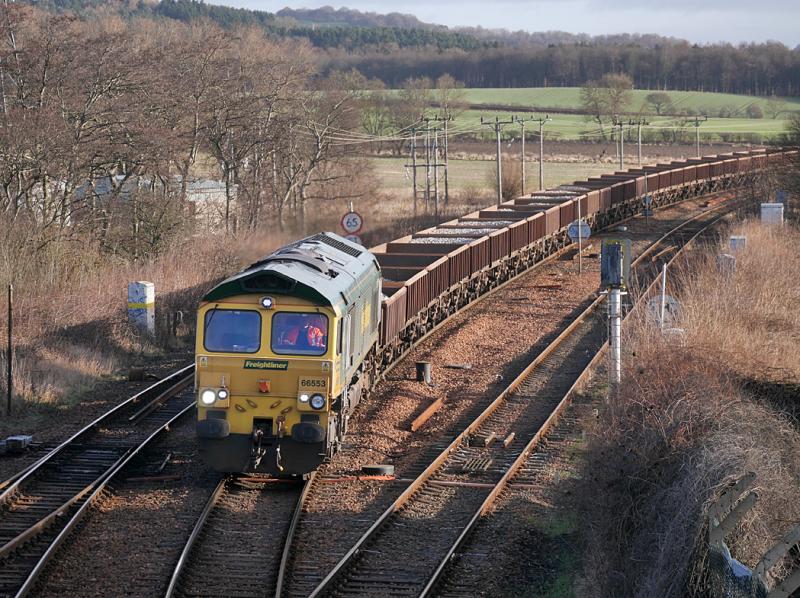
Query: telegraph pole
(618, 123)
(521, 122)
(522, 153)
(498, 126)
(446, 164)
(541, 151)
(697, 122)
(639, 123)
(427, 167)
(444, 120)
(436, 171)
(10, 350)
(414, 165)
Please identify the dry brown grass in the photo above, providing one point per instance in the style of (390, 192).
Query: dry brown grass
(70, 320)
(70, 327)
(682, 425)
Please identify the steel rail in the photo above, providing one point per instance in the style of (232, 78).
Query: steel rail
(289, 541)
(434, 466)
(70, 525)
(534, 442)
(48, 519)
(196, 531)
(200, 526)
(22, 476)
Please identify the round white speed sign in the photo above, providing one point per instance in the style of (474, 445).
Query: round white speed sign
(352, 222)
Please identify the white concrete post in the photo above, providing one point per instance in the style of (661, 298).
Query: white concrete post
(615, 314)
(142, 305)
(772, 213)
(726, 263)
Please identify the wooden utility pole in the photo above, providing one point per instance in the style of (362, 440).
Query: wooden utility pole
(639, 123)
(542, 121)
(697, 122)
(10, 350)
(436, 171)
(446, 165)
(621, 152)
(427, 167)
(443, 120)
(521, 122)
(414, 165)
(431, 164)
(498, 127)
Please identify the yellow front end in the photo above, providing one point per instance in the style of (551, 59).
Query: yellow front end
(266, 381)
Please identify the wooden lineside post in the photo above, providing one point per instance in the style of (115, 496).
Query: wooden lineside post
(10, 349)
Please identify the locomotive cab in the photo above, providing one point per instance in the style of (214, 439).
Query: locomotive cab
(281, 354)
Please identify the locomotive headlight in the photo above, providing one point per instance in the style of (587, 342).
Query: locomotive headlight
(317, 401)
(303, 398)
(267, 302)
(222, 394)
(208, 397)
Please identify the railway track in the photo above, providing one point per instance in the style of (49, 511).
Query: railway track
(407, 549)
(529, 468)
(229, 516)
(240, 543)
(42, 504)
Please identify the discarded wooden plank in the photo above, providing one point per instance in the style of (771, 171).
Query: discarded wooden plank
(427, 414)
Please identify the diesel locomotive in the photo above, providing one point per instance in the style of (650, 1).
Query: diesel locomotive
(284, 351)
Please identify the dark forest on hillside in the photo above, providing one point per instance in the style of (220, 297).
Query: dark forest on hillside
(395, 47)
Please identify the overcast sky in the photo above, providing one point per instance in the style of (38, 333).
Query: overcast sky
(695, 20)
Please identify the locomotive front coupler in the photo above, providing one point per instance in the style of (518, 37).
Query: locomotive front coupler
(257, 452)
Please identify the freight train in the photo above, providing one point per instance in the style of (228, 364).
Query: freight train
(288, 347)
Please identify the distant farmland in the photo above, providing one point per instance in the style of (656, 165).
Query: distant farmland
(560, 102)
(569, 98)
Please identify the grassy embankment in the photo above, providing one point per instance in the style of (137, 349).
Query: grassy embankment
(696, 410)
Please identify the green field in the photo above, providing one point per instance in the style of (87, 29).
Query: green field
(576, 126)
(738, 128)
(477, 174)
(569, 97)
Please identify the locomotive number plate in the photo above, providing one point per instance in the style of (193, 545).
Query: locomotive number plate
(314, 384)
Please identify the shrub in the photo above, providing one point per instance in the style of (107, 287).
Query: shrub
(754, 111)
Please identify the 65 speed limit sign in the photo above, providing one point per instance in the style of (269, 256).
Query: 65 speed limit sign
(352, 222)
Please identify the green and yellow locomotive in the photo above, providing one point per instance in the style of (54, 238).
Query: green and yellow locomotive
(285, 350)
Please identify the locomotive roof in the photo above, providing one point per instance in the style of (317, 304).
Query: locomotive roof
(325, 269)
